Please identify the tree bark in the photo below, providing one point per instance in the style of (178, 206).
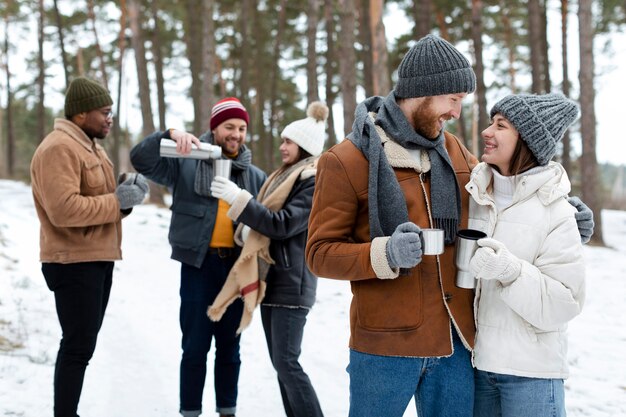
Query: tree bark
(10, 157)
(137, 41)
(545, 48)
(347, 65)
(311, 52)
(566, 158)
(121, 46)
(62, 44)
(41, 108)
(275, 74)
(193, 40)
(330, 68)
(422, 14)
(481, 99)
(208, 63)
(536, 46)
(589, 165)
(365, 54)
(92, 17)
(508, 39)
(157, 53)
(380, 72)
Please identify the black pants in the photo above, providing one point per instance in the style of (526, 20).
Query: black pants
(81, 293)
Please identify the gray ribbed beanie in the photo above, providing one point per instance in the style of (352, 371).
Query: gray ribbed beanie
(541, 120)
(84, 94)
(433, 67)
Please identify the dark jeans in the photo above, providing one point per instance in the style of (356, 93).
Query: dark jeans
(198, 289)
(284, 328)
(81, 293)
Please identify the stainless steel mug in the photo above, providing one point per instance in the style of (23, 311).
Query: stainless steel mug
(167, 149)
(221, 167)
(432, 241)
(465, 248)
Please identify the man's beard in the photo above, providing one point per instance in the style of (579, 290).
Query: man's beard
(425, 121)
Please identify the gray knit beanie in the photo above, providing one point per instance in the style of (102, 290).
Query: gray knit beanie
(541, 120)
(84, 94)
(433, 67)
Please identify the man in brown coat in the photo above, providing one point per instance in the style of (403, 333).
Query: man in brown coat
(412, 329)
(80, 208)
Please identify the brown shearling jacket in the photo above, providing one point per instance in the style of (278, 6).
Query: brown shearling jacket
(407, 316)
(74, 191)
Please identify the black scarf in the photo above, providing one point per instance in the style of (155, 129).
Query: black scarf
(387, 205)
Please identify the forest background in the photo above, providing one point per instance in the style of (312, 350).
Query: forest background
(169, 61)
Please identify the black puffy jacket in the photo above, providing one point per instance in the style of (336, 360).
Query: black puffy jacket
(289, 281)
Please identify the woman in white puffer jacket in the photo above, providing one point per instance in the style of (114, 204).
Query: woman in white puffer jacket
(530, 268)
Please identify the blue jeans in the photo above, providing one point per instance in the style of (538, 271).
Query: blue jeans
(284, 328)
(198, 289)
(81, 293)
(499, 395)
(384, 385)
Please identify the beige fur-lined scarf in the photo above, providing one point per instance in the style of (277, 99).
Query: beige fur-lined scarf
(246, 279)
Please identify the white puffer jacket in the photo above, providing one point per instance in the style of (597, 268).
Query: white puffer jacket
(521, 326)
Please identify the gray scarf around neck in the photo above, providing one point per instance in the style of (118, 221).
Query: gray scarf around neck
(239, 169)
(387, 205)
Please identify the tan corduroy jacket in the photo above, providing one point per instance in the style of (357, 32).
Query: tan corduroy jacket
(402, 316)
(74, 190)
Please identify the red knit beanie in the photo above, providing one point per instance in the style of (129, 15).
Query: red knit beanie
(228, 108)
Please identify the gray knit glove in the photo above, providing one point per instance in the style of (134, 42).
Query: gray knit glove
(132, 191)
(404, 248)
(584, 218)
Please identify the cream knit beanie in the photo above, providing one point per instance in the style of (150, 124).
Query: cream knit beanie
(309, 133)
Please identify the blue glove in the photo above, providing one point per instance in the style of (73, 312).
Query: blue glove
(404, 248)
(584, 219)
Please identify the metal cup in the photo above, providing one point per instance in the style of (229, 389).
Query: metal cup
(432, 241)
(465, 248)
(221, 167)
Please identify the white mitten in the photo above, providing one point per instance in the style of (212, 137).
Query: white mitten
(494, 261)
(225, 189)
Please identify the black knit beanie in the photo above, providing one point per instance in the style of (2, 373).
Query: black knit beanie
(83, 95)
(433, 67)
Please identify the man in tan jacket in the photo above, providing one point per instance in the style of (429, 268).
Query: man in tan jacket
(80, 208)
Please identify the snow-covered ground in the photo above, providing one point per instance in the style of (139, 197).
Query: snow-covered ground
(135, 367)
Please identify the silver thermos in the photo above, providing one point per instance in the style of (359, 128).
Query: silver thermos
(205, 151)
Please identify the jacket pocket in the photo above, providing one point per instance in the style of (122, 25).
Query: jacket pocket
(390, 305)
(187, 224)
(93, 174)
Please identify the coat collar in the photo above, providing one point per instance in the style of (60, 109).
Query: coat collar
(548, 182)
(398, 156)
(77, 134)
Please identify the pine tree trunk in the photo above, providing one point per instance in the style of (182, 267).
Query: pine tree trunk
(121, 46)
(365, 53)
(330, 68)
(536, 46)
(380, 72)
(311, 52)
(41, 108)
(508, 38)
(566, 158)
(422, 14)
(157, 53)
(193, 41)
(10, 155)
(347, 63)
(59, 21)
(208, 63)
(589, 166)
(481, 99)
(137, 40)
(92, 17)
